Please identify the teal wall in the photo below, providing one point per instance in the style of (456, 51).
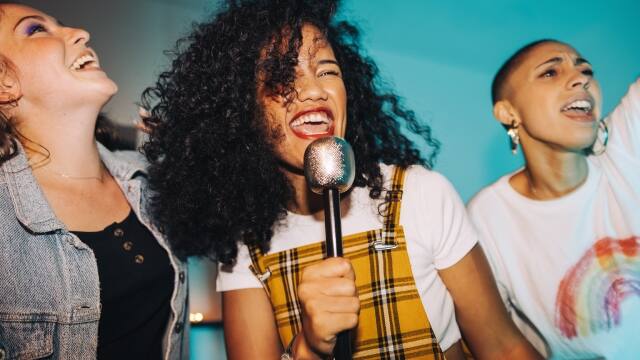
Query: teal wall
(441, 57)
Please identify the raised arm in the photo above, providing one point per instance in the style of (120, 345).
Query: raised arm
(624, 123)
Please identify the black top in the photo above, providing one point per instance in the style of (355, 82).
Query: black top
(136, 284)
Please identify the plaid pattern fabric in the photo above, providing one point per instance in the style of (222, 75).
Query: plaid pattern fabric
(392, 322)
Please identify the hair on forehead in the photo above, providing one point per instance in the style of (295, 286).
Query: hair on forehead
(508, 67)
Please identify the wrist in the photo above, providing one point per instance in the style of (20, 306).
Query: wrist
(301, 350)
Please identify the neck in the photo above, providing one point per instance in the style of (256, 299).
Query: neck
(305, 201)
(551, 173)
(62, 144)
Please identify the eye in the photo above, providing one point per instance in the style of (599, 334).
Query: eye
(35, 28)
(588, 72)
(549, 73)
(329, 72)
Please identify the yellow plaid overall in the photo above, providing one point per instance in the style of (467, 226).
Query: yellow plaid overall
(392, 322)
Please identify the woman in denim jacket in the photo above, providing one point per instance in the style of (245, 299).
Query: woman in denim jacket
(83, 273)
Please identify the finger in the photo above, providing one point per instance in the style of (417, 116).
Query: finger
(335, 287)
(326, 289)
(341, 305)
(333, 323)
(143, 113)
(329, 268)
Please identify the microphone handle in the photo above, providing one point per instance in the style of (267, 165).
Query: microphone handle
(332, 223)
(333, 231)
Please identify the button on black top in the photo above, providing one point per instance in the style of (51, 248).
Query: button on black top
(136, 284)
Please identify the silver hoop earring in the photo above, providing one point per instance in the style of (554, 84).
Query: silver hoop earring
(514, 137)
(602, 138)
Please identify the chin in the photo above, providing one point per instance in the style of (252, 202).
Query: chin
(581, 145)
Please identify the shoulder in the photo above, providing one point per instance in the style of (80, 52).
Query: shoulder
(487, 197)
(130, 157)
(124, 164)
(423, 183)
(417, 177)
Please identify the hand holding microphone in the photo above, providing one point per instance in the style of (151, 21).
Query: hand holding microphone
(327, 290)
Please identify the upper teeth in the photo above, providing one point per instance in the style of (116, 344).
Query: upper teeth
(579, 104)
(315, 117)
(81, 61)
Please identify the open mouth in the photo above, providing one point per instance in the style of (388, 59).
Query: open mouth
(312, 124)
(580, 108)
(85, 62)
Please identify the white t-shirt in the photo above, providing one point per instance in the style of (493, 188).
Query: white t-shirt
(437, 230)
(572, 264)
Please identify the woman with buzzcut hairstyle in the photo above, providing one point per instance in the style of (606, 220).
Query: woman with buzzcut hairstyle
(563, 233)
(247, 92)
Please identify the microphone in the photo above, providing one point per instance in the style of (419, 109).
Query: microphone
(329, 168)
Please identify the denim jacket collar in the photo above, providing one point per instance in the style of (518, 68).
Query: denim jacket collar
(31, 206)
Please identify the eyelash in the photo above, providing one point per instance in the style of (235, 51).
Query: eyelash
(548, 73)
(552, 72)
(35, 28)
(329, 72)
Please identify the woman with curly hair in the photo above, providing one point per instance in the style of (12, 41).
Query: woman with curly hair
(247, 92)
(83, 274)
(563, 232)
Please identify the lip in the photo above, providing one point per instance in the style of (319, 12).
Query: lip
(329, 131)
(585, 117)
(94, 65)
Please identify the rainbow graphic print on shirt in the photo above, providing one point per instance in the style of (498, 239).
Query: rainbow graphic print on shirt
(591, 293)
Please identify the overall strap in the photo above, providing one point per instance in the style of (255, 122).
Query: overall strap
(392, 204)
(257, 267)
(394, 199)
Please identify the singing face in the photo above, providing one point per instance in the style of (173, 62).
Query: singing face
(53, 64)
(318, 106)
(556, 98)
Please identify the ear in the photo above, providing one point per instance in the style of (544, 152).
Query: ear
(504, 112)
(9, 85)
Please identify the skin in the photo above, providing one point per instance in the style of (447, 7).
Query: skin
(553, 141)
(327, 289)
(57, 108)
(319, 89)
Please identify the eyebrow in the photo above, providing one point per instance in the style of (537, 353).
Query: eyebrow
(328, 61)
(38, 17)
(557, 59)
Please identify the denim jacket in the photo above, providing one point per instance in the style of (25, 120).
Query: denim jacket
(49, 285)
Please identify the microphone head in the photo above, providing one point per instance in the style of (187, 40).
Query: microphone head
(329, 163)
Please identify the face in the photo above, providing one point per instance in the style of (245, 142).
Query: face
(556, 100)
(52, 62)
(316, 109)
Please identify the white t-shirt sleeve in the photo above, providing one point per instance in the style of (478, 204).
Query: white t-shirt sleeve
(624, 123)
(478, 207)
(237, 276)
(441, 216)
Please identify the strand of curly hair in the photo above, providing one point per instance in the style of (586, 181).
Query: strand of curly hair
(212, 166)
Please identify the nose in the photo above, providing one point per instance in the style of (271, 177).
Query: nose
(309, 88)
(579, 79)
(78, 36)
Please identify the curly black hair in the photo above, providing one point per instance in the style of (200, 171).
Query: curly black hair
(215, 175)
